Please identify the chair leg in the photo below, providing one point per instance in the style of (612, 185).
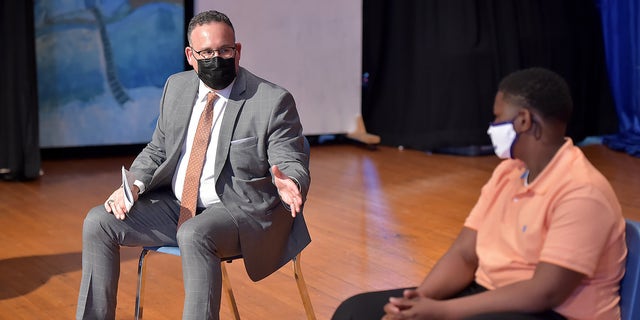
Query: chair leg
(226, 283)
(141, 282)
(302, 287)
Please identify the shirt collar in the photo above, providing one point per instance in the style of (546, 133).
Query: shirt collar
(560, 159)
(203, 90)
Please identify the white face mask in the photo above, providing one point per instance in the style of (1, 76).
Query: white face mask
(503, 136)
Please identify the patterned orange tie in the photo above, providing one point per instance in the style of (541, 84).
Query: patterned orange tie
(196, 161)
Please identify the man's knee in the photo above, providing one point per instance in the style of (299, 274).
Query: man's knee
(96, 223)
(188, 234)
(209, 232)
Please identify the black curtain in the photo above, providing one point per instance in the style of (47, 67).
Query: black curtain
(432, 66)
(19, 146)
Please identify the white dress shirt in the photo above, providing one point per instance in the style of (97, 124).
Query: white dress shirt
(207, 193)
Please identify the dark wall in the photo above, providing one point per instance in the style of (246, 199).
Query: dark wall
(434, 66)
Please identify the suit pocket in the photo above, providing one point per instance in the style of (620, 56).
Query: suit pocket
(244, 142)
(258, 197)
(246, 159)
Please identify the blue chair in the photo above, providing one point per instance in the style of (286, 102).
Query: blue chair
(629, 300)
(226, 283)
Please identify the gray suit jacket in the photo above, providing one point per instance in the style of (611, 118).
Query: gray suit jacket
(260, 128)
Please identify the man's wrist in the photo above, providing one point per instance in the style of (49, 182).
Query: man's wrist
(297, 183)
(140, 185)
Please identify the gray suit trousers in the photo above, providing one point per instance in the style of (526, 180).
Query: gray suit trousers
(203, 241)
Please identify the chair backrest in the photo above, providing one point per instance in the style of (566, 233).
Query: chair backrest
(630, 285)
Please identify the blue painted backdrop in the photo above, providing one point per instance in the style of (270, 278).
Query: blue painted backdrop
(101, 66)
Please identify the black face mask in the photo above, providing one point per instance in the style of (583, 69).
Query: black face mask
(217, 73)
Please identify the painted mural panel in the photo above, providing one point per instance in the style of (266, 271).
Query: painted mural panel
(101, 68)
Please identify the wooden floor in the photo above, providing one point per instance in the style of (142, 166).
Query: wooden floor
(378, 219)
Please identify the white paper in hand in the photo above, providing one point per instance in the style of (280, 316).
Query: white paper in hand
(127, 184)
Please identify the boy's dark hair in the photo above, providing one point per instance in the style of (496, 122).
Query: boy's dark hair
(539, 89)
(207, 17)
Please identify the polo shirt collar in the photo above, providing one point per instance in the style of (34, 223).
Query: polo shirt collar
(562, 159)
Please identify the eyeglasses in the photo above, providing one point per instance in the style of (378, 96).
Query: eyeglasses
(224, 52)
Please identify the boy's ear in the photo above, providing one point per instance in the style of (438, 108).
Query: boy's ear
(524, 120)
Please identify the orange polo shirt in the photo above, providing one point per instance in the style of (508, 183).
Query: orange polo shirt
(568, 216)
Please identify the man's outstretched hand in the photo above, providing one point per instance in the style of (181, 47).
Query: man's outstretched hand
(288, 190)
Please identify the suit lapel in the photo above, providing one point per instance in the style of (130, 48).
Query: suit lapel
(234, 105)
(182, 115)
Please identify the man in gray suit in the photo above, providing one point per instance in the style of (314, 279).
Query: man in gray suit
(254, 181)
